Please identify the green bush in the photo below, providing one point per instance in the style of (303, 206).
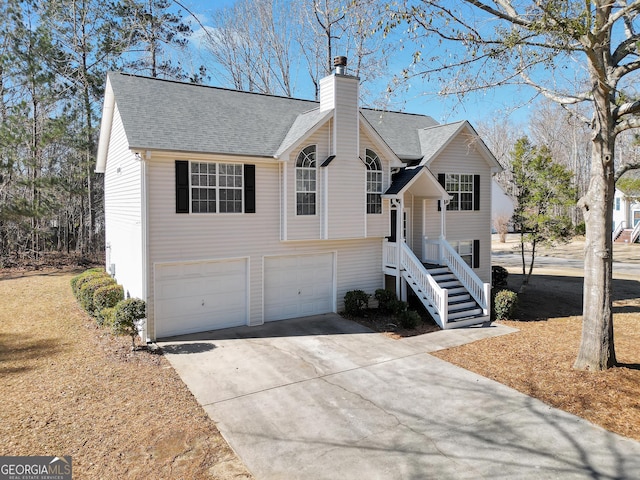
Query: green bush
(409, 319)
(355, 302)
(88, 289)
(398, 307)
(126, 316)
(504, 304)
(107, 317)
(580, 228)
(86, 276)
(386, 300)
(107, 296)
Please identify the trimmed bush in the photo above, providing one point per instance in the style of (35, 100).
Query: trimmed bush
(107, 317)
(107, 296)
(504, 304)
(127, 315)
(355, 302)
(398, 307)
(86, 276)
(409, 319)
(88, 289)
(386, 300)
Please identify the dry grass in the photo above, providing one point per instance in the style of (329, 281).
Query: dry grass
(70, 388)
(538, 360)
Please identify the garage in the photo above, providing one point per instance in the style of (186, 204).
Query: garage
(200, 296)
(298, 286)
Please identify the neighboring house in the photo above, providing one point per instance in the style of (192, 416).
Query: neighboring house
(626, 213)
(502, 206)
(226, 208)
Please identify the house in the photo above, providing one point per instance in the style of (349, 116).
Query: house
(226, 208)
(502, 206)
(626, 211)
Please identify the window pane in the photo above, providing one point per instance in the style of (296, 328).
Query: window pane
(466, 201)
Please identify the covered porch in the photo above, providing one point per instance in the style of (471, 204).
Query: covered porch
(418, 257)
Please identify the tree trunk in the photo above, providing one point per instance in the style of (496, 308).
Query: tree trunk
(597, 350)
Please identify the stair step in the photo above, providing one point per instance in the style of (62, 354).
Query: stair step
(453, 307)
(457, 290)
(464, 314)
(438, 271)
(450, 284)
(444, 277)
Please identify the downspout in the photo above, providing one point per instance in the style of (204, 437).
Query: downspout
(145, 244)
(400, 284)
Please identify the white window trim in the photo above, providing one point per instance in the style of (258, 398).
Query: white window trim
(459, 193)
(313, 169)
(217, 188)
(372, 159)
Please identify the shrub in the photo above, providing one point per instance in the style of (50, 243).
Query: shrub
(580, 228)
(107, 317)
(107, 296)
(398, 307)
(126, 317)
(505, 304)
(409, 319)
(386, 300)
(88, 289)
(86, 276)
(499, 276)
(355, 302)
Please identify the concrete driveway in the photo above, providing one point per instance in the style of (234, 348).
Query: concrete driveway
(325, 398)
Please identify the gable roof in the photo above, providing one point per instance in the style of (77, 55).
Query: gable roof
(173, 116)
(434, 139)
(406, 177)
(167, 115)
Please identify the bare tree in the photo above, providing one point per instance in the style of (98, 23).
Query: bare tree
(576, 53)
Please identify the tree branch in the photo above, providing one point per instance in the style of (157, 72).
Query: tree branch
(625, 167)
(633, 7)
(510, 15)
(628, 124)
(627, 47)
(629, 108)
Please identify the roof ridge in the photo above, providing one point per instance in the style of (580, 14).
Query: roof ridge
(226, 89)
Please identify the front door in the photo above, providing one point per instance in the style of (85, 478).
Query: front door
(636, 217)
(406, 227)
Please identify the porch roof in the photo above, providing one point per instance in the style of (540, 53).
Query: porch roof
(418, 179)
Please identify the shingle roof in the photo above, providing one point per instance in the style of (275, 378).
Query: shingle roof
(401, 179)
(173, 116)
(435, 137)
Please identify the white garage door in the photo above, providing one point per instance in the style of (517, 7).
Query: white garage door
(199, 296)
(297, 286)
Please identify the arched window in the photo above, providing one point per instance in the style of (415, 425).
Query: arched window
(374, 182)
(306, 181)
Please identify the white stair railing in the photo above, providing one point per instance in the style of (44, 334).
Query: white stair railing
(635, 233)
(480, 291)
(618, 230)
(437, 298)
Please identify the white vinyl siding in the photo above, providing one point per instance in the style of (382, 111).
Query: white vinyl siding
(123, 211)
(187, 238)
(461, 156)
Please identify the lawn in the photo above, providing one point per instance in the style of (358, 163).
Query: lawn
(538, 359)
(70, 388)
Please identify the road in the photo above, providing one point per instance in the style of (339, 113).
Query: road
(507, 259)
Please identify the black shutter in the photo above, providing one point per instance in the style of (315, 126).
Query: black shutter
(182, 186)
(249, 189)
(476, 254)
(441, 180)
(476, 192)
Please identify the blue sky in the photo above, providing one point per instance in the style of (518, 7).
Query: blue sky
(475, 107)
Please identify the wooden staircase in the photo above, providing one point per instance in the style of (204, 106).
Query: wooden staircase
(462, 309)
(625, 236)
